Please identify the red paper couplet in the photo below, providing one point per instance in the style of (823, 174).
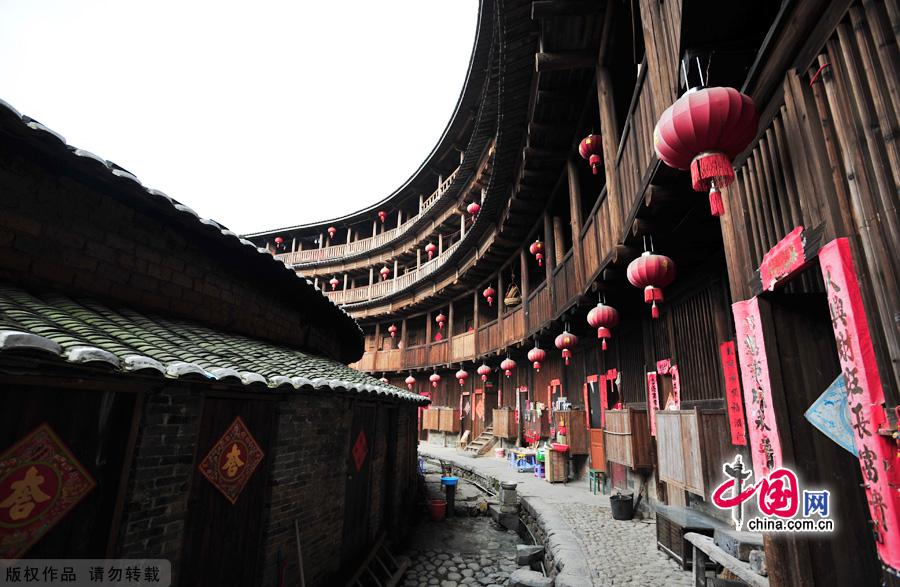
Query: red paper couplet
(878, 458)
(675, 399)
(733, 394)
(652, 400)
(765, 444)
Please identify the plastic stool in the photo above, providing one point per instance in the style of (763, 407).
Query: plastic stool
(539, 470)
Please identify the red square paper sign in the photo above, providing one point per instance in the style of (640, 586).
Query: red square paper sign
(232, 460)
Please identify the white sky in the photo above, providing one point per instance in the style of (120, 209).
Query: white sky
(257, 114)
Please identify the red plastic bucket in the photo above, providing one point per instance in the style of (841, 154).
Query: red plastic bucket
(437, 508)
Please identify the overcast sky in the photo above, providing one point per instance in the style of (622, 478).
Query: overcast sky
(257, 114)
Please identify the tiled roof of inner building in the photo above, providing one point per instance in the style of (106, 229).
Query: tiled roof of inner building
(127, 185)
(87, 332)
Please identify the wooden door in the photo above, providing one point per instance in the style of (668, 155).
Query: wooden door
(465, 414)
(808, 363)
(477, 413)
(594, 414)
(223, 539)
(96, 428)
(357, 493)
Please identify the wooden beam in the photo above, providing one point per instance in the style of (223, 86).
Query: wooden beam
(622, 255)
(641, 226)
(564, 60)
(544, 154)
(557, 8)
(655, 195)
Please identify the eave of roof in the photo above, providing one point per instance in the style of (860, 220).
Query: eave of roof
(88, 333)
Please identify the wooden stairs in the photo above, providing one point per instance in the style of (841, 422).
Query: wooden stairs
(481, 445)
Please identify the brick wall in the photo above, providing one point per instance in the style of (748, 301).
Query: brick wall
(156, 507)
(74, 232)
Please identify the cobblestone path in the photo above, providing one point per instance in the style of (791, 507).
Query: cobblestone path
(461, 551)
(620, 552)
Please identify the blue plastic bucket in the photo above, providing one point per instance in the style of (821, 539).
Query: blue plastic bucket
(449, 481)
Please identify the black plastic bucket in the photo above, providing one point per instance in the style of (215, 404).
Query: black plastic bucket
(622, 506)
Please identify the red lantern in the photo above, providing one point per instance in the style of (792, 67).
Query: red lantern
(382, 215)
(484, 371)
(334, 283)
(410, 382)
(435, 379)
(279, 241)
(537, 249)
(508, 365)
(489, 294)
(651, 272)
(473, 209)
(384, 273)
(384, 380)
(332, 231)
(461, 376)
(441, 320)
(590, 148)
(430, 248)
(565, 342)
(393, 330)
(603, 318)
(704, 131)
(537, 356)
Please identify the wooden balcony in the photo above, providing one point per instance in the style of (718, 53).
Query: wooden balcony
(392, 285)
(350, 249)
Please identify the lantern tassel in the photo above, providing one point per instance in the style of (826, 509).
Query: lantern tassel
(595, 164)
(711, 167)
(540, 261)
(716, 207)
(654, 311)
(652, 294)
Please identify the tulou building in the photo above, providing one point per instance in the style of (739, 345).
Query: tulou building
(668, 228)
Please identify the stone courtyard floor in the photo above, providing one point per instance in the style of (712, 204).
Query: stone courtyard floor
(611, 552)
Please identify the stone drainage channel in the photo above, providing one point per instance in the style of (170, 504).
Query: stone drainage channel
(482, 542)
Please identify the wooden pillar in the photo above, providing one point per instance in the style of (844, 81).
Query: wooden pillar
(559, 243)
(321, 239)
(523, 275)
(377, 336)
(476, 320)
(462, 225)
(345, 280)
(575, 222)
(316, 282)
(300, 245)
(294, 244)
(404, 334)
(399, 217)
(421, 202)
(440, 244)
(610, 131)
(395, 268)
(349, 234)
(371, 275)
(418, 258)
(500, 294)
(428, 327)
(450, 328)
(353, 283)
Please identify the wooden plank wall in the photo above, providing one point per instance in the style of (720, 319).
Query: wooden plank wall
(829, 155)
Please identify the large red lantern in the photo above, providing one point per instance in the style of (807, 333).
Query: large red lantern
(603, 318)
(334, 283)
(332, 231)
(441, 320)
(461, 376)
(704, 131)
(537, 249)
(590, 148)
(484, 371)
(393, 330)
(508, 365)
(537, 356)
(565, 342)
(382, 215)
(652, 272)
(430, 248)
(279, 241)
(384, 273)
(489, 294)
(435, 379)
(410, 382)
(473, 209)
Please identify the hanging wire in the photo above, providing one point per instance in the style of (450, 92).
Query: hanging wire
(700, 71)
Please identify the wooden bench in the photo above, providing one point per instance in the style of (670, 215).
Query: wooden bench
(705, 549)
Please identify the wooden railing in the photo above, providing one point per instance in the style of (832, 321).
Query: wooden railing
(388, 286)
(565, 283)
(513, 326)
(366, 244)
(462, 346)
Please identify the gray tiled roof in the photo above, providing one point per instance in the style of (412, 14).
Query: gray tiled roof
(88, 332)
